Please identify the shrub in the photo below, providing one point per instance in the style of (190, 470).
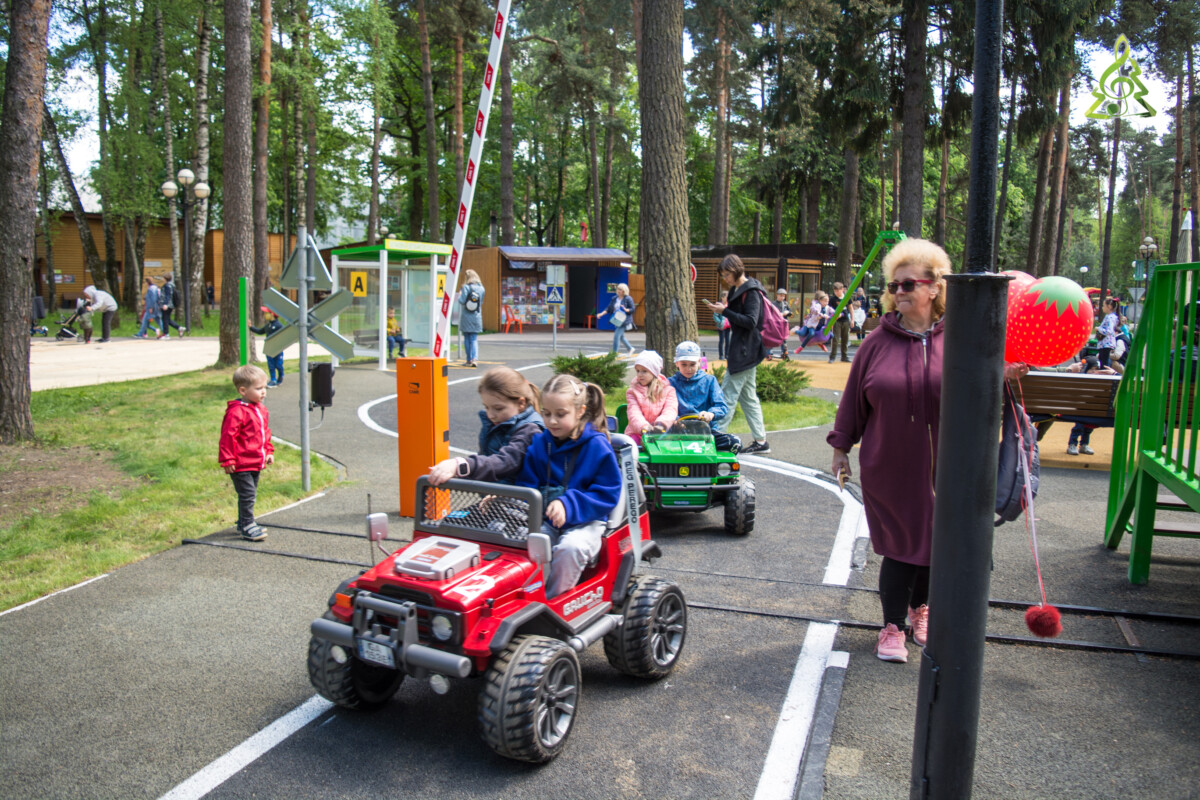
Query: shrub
(606, 371)
(779, 383)
(718, 372)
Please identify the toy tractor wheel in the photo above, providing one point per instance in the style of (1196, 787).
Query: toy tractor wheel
(739, 509)
(349, 683)
(648, 644)
(529, 700)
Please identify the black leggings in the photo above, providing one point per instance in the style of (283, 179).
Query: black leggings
(901, 586)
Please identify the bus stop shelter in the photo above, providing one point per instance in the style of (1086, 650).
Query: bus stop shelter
(408, 277)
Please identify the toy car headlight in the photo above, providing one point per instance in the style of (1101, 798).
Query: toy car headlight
(723, 468)
(442, 629)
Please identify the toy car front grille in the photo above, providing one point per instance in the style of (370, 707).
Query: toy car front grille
(404, 593)
(685, 470)
(425, 612)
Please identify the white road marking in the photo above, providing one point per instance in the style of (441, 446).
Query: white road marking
(225, 767)
(781, 769)
(292, 505)
(60, 591)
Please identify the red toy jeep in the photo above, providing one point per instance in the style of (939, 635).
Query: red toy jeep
(466, 599)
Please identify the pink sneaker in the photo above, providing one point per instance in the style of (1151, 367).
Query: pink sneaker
(890, 646)
(918, 620)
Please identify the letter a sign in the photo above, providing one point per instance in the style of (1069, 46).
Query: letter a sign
(358, 284)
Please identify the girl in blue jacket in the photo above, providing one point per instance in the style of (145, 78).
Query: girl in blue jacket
(574, 466)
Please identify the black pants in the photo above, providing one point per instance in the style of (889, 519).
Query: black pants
(901, 587)
(168, 323)
(246, 486)
(723, 342)
(841, 338)
(106, 324)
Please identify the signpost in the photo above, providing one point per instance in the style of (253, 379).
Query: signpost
(306, 271)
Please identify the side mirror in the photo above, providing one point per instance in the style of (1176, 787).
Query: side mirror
(377, 526)
(612, 424)
(539, 548)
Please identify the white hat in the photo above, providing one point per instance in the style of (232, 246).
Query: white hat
(688, 351)
(651, 360)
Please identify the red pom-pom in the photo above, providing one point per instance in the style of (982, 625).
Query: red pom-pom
(1044, 621)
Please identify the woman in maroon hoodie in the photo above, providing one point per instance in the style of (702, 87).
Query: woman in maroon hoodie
(890, 406)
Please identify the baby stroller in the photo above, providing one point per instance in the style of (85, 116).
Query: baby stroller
(66, 333)
(36, 328)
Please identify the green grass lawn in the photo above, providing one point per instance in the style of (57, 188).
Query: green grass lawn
(804, 413)
(163, 434)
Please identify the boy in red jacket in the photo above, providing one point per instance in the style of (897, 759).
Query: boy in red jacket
(246, 447)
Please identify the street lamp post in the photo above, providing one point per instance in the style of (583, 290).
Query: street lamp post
(1148, 250)
(191, 193)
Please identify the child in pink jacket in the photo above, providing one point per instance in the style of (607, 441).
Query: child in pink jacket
(651, 403)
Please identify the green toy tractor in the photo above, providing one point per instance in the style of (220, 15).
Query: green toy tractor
(682, 470)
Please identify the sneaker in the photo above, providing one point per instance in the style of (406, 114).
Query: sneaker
(798, 350)
(139, 336)
(182, 330)
(1087, 450)
(918, 620)
(846, 360)
(890, 646)
(255, 533)
(824, 349)
(272, 384)
(756, 448)
(102, 341)
(1072, 450)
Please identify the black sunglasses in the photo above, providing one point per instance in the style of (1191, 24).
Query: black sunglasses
(906, 286)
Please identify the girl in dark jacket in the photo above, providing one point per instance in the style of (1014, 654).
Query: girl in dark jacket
(744, 311)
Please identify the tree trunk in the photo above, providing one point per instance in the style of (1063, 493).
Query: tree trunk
(846, 218)
(777, 215)
(431, 157)
(593, 170)
(1038, 215)
(1064, 206)
(199, 213)
(1193, 157)
(458, 112)
(1002, 202)
(48, 245)
(310, 172)
(1177, 176)
(939, 217)
(97, 37)
(1058, 180)
(1108, 219)
(262, 130)
(912, 165)
(285, 155)
(507, 189)
(416, 205)
(91, 256)
(20, 141)
(801, 208)
(814, 208)
(716, 210)
(883, 217)
(131, 298)
(669, 302)
(239, 187)
(164, 92)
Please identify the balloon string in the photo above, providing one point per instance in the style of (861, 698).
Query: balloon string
(1026, 453)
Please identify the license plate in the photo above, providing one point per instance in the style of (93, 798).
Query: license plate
(376, 653)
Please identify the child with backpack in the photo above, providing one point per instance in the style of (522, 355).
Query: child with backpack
(470, 321)
(275, 362)
(245, 448)
(508, 422)
(573, 464)
(650, 401)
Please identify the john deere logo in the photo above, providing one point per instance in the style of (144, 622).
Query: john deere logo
(684, 472)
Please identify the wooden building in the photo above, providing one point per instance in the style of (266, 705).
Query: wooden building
(800, 268)
(70, 269)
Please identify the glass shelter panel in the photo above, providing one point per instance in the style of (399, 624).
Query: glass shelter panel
(360, 322)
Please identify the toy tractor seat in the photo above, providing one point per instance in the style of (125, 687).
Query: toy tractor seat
(620, 514)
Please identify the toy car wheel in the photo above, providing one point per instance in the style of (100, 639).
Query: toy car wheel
(529, 699)
(739, 509)
(350, 683)
(648, 643)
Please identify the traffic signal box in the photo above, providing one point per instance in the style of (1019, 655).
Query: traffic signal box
(422, 422)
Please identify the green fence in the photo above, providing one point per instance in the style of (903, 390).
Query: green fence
(1154, 443)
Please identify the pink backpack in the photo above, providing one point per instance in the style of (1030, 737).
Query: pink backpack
(774, 328)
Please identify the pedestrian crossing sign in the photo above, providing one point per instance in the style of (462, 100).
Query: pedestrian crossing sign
(554, 295)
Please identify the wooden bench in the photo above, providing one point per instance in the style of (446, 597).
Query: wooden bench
(870, 324)
(1068, 396)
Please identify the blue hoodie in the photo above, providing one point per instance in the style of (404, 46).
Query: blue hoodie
(493, 437)
(595, 486)
(701, 393)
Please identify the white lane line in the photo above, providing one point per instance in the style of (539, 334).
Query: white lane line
(364, 411)
(293, 505)
(45, 596)
(225, 767)
(782, 767)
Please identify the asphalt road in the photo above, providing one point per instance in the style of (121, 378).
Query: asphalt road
(131, 685)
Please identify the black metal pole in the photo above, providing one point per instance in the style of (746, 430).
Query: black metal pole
(187, 249)
(946, 734)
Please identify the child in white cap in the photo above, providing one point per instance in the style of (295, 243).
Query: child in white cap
(650, 401)
(699, 395)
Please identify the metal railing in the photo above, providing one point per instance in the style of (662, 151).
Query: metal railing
(1155, 431)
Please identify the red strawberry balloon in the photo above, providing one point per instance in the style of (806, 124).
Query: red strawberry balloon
(1017, 286)
(1047, 323)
